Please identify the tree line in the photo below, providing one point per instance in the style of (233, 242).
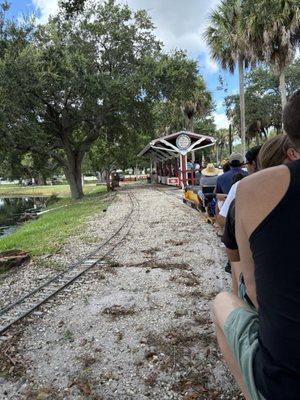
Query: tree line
(87, 87)
(245, 33)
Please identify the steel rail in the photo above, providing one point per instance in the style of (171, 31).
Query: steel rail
(88, 259)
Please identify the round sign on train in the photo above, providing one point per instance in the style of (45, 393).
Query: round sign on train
(183, 142)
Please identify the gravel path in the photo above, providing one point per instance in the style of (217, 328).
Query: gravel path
(138, 328)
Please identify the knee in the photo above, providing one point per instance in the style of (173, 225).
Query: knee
(219, 302)
(217, 306)
(223, 305)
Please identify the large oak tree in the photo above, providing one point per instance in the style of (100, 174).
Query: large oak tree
(64, 84)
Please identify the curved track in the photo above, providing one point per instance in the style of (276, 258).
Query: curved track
(25, 305)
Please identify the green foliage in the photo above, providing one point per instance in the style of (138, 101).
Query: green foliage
(96, 75)
(47, 234)
(263, 106)
(41, 191)
(72, 6)
(272, 30)
(192, 112)
(293, 76)
(225, 35)
(227, 41)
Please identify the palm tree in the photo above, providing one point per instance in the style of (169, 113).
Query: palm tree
(198, 104)
(226, 40)
(222, 142)
(273, 32)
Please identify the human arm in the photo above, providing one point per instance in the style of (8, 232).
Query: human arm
(247, 263)
(229, 238)
(221, 218)
(221, 196)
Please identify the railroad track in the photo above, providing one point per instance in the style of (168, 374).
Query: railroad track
(30, 302)
(175, 193)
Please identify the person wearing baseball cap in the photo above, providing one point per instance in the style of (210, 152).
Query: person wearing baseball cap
(224, 181)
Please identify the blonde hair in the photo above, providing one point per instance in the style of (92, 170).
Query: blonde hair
(274, 151)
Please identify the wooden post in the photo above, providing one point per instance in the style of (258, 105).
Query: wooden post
(183, 168)
(230, 139)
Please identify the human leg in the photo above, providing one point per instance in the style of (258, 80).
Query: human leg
(223, 305)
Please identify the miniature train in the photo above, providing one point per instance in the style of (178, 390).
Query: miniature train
(205, 205)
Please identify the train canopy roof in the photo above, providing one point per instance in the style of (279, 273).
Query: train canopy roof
(170, 146)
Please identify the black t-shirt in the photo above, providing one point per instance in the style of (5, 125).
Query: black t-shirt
(229, 238)
(275, 250)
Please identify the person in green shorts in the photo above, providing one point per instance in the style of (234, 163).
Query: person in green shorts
(262, 348)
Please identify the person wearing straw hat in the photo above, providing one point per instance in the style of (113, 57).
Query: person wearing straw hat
(208, 179)
(209, 175)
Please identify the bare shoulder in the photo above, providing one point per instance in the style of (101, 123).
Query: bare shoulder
(266, 180)
(259, 193)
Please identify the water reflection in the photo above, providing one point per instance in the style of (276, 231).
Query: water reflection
(11, 210)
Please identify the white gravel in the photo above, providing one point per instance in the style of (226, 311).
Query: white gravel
(95, 230)
(138, 328)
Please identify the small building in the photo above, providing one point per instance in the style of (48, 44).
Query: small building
(170, 155)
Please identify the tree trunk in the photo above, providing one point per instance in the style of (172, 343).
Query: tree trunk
(230, 138)
(44, 177)
(257, 138)
(242, 104)
(73, 175)
(282, 88)
(190, 126)
(108, 181)
(221, 153)
(39, 179)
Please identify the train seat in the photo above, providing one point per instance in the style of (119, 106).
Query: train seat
(194, 188)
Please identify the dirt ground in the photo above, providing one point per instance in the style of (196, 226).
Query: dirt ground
(138, 327)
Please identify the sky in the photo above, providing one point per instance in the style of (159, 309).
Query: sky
(179, 25)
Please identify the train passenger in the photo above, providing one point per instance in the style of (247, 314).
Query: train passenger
(198, 174)
(224, 182)
(262, 348)
(277, 150)
(251, 163)
(190, 171)
(274, 152)
(226, 167)
(226, 216)
(190, 165)
(208, 180)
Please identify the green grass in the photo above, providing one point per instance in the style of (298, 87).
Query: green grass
(47, 234)
(59, 190)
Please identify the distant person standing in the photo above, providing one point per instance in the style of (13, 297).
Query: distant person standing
(190, 171)
(224, 182)
(190, 165)
(198, 174)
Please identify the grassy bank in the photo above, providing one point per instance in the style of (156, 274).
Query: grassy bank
(59, 190)
(47, 234)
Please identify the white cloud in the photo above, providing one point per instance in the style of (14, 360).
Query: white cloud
(211, 65)
(46, 8)
(180, 24)
(221, 120)
(220, 105)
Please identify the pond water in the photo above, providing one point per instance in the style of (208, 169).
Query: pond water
(11, 210)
